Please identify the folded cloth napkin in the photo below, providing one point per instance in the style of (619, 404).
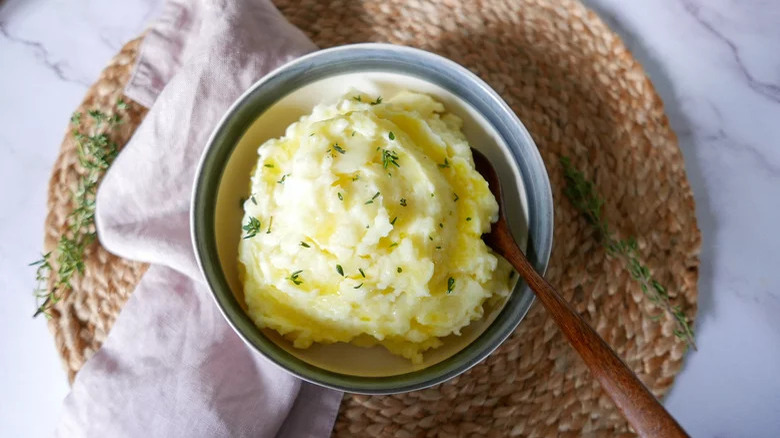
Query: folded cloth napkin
(171, 365)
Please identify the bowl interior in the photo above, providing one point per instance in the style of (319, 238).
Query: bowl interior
(234, 187)
(279, 99)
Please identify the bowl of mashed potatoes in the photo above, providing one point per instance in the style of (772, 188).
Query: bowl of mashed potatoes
(337, 218)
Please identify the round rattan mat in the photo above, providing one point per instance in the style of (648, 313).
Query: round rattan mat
(580, 94)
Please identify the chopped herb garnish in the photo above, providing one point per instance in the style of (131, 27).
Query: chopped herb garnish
(353, 133)
(388, 158)
(358, 98)
(393, 244)
(430, 237)
(252, 228)
(254, 201)
(339, 149)
(441, 225)
(75, 118)
(363, 274)
(432, 195)
(311, 135)
(445, 165)
(468, 219)
(356, 177)
(392, 222)
(270, 222)
(241, 202)
(284, 177)
(371, 201)
(268, 165)
(403, 202)
(294, 277)
(340, 270)
(377, 101)
(341, 198)
(391, 136)
(358, 286)
(450, 285)
(438, 247)
(399, 270)
(305, 245)
(121, 104)
(455, 197)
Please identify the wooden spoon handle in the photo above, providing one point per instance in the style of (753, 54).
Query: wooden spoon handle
(642, 410)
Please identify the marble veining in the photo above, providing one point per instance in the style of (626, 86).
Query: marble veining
(715, 64)
(60, 68)
(770, 90)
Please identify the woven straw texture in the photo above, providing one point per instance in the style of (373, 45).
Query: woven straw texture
(580, 94)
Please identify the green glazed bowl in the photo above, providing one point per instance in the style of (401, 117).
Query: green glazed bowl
(279, 99)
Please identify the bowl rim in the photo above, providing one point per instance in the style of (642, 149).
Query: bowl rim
(521, 147)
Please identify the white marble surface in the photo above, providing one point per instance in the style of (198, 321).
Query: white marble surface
(715, 63)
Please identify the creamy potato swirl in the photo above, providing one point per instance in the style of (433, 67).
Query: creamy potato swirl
(364, 226)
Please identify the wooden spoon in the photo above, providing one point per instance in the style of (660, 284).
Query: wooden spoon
(645, 414)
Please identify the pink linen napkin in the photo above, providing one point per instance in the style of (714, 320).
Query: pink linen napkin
(171, 365)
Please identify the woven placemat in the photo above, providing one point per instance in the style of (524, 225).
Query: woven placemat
(580, 94)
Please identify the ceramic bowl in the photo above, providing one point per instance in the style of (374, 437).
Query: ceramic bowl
(279, 99)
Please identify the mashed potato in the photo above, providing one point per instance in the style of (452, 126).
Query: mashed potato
(364, 226)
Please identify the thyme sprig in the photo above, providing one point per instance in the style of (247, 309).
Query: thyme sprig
(582, 194)
(96, 151)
